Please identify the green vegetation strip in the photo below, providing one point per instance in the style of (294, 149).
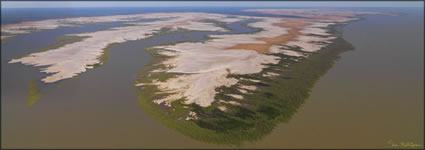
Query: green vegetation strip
(105, 55)
(62, 41)
(9, 37)
(275, 100)
(34, 94)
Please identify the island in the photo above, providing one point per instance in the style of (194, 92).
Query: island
(226, 88)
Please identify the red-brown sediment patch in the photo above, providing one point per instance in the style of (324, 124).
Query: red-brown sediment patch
(293, 25)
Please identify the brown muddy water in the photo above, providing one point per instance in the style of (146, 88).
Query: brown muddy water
(372, 95)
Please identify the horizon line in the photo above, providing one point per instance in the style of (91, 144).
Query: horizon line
(227, 4)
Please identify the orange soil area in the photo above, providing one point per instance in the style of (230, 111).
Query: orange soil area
(293, 25)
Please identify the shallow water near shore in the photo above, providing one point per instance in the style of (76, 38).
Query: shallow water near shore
(97, 109)
(372, 94)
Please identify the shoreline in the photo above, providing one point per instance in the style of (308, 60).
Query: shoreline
(222, 96)
(326, 56)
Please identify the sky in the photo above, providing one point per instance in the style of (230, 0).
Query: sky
(63, 4)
